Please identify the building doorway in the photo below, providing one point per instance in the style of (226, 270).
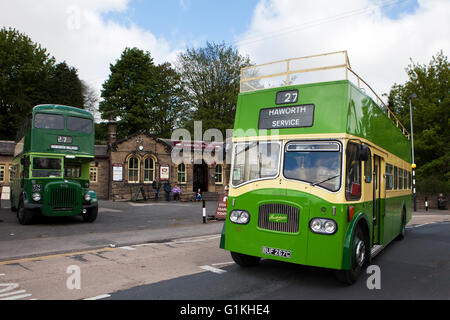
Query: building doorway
(200, 177)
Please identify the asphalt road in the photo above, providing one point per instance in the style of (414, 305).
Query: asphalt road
(415, 268)
(164, 252)
(118, 224)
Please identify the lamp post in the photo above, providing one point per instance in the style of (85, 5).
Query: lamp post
(413, 96)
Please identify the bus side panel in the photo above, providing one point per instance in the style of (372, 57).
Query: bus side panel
(393, 218)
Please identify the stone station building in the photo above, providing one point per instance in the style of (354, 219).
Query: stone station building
(131, 168)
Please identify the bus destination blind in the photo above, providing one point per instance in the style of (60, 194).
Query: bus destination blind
(286, 117)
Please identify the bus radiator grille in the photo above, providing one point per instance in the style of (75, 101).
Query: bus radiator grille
(62, 198)
(289, 226)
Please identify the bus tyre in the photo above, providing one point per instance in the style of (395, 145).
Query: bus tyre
(25, 217)
(90, 215)
(359, 257)
(244, 260)
(401, 236)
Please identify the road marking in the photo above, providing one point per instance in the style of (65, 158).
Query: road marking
(128, 248)
(18, 297)
(212, 269)
(223, 263)
(12, 293)
(106, 210)
(103, 296)
(2, 274)
(420, 225)
(69, 254)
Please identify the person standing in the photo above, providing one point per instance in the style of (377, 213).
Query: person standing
(156, 187)
(167, 189)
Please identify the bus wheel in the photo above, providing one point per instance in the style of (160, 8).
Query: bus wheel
(244, 260)
(401, 236)
(90, 215)
(359, 258)
(25, 217)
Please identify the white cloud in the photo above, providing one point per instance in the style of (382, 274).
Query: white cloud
(379, 48)
(76, 31)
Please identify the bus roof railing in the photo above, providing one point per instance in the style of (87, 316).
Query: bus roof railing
(311, 69)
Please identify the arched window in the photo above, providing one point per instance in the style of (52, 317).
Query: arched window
(149, 170)
(182, 173)
(133, 170)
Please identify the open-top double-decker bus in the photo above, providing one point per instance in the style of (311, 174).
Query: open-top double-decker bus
(51, 167)
(321, 168)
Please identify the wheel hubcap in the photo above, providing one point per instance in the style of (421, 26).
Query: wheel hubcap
(360, 253)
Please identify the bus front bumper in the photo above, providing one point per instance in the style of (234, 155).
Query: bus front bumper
(76, 211)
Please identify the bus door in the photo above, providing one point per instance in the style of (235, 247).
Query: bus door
(377, 199)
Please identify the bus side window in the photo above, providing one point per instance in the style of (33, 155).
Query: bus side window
(368, 169)
(353, 173)
(395, 178)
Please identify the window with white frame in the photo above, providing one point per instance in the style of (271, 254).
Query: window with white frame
(149, 170)
(182, 173)
(133, 170)
(2, 173)
(93, 174)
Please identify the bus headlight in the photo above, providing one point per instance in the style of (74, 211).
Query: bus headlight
(87, 197)
(240, 217)
(323, 226)
(36, 197)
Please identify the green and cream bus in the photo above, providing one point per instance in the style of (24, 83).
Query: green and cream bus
(321, 168)
(51, 167)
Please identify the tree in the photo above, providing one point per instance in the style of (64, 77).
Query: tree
(142, 95)
(431, 116)
(28, 77)
(211, 77)
(24, 70)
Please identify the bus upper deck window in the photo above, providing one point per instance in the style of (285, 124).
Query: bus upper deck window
(49, 121)
(79, 124)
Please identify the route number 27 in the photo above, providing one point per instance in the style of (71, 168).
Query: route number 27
(286, 97)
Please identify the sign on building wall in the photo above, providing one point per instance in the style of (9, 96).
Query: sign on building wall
(164, 173)
(118, 172)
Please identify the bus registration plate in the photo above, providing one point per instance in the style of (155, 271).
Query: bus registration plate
(277, 252)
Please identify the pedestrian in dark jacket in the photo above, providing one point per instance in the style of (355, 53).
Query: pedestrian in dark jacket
(167, 189)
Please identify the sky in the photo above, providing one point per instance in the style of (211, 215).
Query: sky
(381, 36)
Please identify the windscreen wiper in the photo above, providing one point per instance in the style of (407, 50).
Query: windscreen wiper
(317, 183)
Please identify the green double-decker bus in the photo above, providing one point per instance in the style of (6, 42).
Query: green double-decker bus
(51, 167)
(321, 168)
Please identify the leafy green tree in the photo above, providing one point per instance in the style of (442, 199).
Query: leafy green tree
(24, 70)
(211, 77)
(28, 77)
(431, 116)
(142, 95)
(65, 87)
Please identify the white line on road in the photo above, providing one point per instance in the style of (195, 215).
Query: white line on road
(17, 297)
(12, 293)
(212, 269)
(103, 296)
(128, 248)
(222, 263)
